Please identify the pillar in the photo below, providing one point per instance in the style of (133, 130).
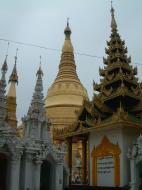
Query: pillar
(133, 174)
(37, 174)
(14, 169)
(69, 158)
(84, 161)
(59, 176)
(28, 171)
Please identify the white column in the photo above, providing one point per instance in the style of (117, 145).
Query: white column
(59, 176)
(14, 173)
(133, 174)
(37, 174)
(28, 172)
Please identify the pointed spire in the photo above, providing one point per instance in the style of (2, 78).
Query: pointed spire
(4, 70)
(67, 47)
(67, 67)
(3, 106)
(39, 72)
(11, 96)
(4, 66)
(113, 21)
(14, 76)
(67, 30)
(36, 109)
(3, 110)
(118, 76)
(36, 124)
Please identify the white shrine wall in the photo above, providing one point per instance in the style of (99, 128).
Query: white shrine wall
(124, 138)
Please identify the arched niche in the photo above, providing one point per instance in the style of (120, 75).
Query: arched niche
(106, 150)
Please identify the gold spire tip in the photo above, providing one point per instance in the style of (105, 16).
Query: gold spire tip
(16, 56)
(39, 72)
(4, 66)
(113, 21)
(68, 21)
(112, 9)
(7, 50)
(67, 30)
(40, 61)
(111, 4)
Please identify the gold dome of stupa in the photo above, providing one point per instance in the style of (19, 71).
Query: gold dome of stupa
(66, 94)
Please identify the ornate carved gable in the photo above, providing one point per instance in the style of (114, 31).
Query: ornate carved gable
(106, 148)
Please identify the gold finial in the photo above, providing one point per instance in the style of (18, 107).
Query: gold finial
(39, 72)
(112, 9)
(111, 4)
(4, 66)
(68, 21)
(14, 76)
(7, 49)
(67, 47)
(67, 30)
(40, 60)
(16, 56)
(113, 22)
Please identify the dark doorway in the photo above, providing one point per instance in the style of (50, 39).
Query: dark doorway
(65, 178)
(140, 174)
(3, 171)
(46, 176)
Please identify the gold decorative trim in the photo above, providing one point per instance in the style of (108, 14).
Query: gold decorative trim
(106, 148)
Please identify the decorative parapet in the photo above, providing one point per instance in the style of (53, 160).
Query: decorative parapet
(10, 143)
(64, 131)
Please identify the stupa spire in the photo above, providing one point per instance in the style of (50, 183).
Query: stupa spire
(119, 84)
(67, 47)
(3, 109)
(14, 76)
(35, 122)
(67, 30)
(66, 94)
(67, 67)
(11, 95)
(36, 109)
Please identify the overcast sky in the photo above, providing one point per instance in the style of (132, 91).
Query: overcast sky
(42, 22)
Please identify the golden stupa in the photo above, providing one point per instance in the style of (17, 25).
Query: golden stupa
(66, 94)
